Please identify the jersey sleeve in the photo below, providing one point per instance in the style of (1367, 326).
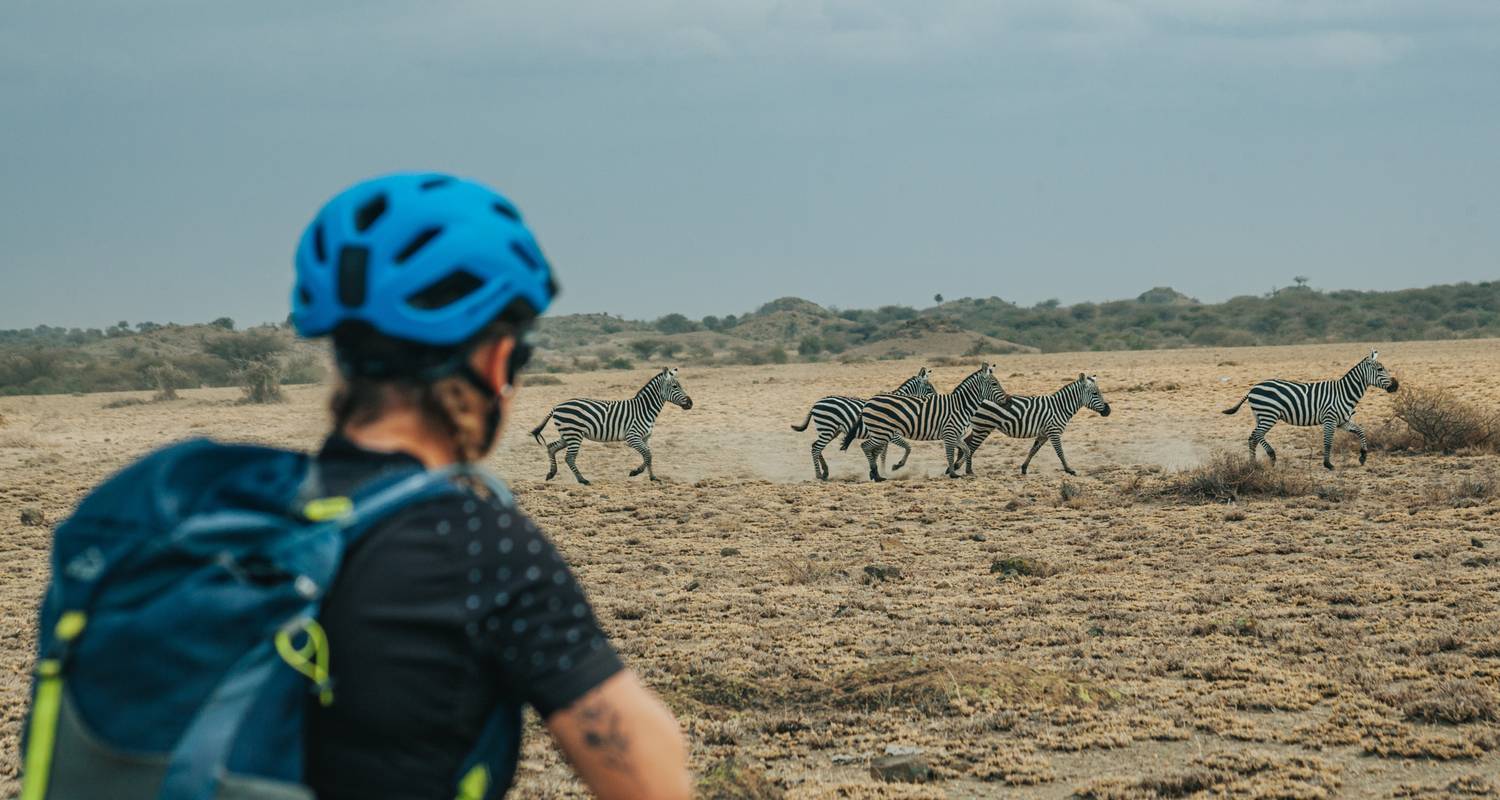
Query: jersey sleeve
(527, 615)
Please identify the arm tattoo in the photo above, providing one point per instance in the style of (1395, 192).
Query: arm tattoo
(604, 734)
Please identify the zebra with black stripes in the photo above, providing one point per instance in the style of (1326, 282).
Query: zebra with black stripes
(837, 414)
(1327, 403)
(1039, 417)
(629, 421)
(939, 416)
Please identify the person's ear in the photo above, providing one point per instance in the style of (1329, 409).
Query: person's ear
(495, 363)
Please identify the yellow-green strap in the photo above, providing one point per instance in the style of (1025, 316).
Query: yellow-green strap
(475, 783)
(310, 659)
(41, 738)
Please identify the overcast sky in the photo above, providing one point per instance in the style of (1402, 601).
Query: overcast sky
(159, 159)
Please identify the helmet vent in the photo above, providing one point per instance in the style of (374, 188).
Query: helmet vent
(353, 271)
(368, 213)
(433, 183)
(416, 244)
(505, 210)
(441, 294)
(525, 255)
(319, 251)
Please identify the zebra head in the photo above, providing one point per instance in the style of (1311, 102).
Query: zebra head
(671, 388)
(1089, 386)
(1375, 374)
(917, 385)
(984, 383)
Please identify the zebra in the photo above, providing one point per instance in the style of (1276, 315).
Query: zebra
(837, 414)
(612, 421)
(1042, 417)
(942, 416)
(1327, 403)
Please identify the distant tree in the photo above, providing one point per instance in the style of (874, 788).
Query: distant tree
(146, 327)
(645, 347)
(1301, 281)
(712, 322)
(1049, 303)
(223, 322)
(675, 323)
(810, 346)
(937, 298)
(730, 321)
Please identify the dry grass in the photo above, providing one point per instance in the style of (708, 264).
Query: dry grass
(1229, 477)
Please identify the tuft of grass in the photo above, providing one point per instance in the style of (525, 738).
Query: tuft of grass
(801, 571)
(1455, 702)
(945, 687)
(1468, 491)
(125, 402)
(1227, 478)
(732, 779)
(1014, 566)
(541, 379)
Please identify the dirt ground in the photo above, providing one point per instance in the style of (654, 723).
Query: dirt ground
(1037, 636)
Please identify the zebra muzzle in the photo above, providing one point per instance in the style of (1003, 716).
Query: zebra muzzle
(1392, 387)
(1104, 412)
(687, 404)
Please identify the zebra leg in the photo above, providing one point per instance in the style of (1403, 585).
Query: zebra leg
(820, 464)
(638, 444)
(1057, 445)
(973, 442)
(873, 446)
(1258, 436)
(1328, 428)
(955, 450)
(905, 451)
(1035, 446)
(552, 449)
(572, 458)
(1364, 444)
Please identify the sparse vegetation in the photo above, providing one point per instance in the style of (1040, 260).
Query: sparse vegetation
(1444, 423)
(1228, 477)
(261, 382)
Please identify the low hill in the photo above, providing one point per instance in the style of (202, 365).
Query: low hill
(48, 359)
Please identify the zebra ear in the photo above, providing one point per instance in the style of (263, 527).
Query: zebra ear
(1081, 376)
(1374, 355)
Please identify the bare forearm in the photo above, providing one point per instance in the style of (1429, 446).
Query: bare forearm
(623, 742)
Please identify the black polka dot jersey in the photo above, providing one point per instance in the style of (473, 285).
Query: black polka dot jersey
(440, 614)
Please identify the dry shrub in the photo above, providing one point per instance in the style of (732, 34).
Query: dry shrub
(801, 571)
(1444, 423)
(541, 379)
(1454, 702)
(261, 382)
(125, 402)
(167, 379)
(1228, 477)
(732, 779)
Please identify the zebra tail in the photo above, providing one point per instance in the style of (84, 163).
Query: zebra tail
(536, 433)
(805, 422)
(1236, 406)
(849, 437)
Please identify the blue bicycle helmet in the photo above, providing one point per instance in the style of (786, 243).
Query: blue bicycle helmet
(424, 258)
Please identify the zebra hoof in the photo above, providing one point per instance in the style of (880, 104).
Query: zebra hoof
(1327, 465)
(1070, 472)
(877, 479)
(585, 482)
(636, 472)
(1362, 455)
(550, 475)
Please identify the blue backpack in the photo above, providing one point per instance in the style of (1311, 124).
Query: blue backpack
(179, 640)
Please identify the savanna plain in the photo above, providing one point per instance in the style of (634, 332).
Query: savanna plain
(1104, 635)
